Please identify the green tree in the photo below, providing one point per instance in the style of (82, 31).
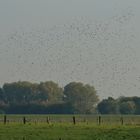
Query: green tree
(2, 101)
(137, 103)
(18, 92)
(51, 92)
(128, 107)
(83, 98)
(108, 106)
(1, 94)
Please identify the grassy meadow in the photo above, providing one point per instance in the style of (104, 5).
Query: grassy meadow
(61, 127)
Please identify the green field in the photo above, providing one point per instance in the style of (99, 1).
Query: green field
(61, 127)
(68, 132)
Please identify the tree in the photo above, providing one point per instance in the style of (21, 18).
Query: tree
(83, 98)
(18, 92)
(122, 105)
(128, 107)
(2, 101)
(108, 106)
(51, 92)
(1, 94)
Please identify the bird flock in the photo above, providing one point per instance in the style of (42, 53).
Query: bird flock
(98, 52)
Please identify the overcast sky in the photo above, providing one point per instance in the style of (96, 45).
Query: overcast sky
(92, 41)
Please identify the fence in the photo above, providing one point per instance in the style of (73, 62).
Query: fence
(95, 119)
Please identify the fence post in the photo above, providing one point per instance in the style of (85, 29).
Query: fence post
(5, 119)
(74, 120)
(24, 120)
(99, 120)
(48, 120)
(121, 119)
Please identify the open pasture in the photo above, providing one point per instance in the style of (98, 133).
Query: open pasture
(62, 127)
(68, 131)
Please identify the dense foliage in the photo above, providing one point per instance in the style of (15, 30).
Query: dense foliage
(122, 105)
(47, 97)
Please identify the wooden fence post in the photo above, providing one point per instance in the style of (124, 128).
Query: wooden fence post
(5, 119)
(48, 120)
(99, 120)
(74, 120)
(121, 119)
(24, 120)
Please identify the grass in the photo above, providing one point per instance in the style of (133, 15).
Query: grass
(68, 131)
(105, 119)
(62, 128)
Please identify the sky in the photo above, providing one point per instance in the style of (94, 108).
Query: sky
(89, 41)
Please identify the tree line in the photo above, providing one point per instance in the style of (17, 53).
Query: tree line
(24, 97)
(121, 105)
(48, 97)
